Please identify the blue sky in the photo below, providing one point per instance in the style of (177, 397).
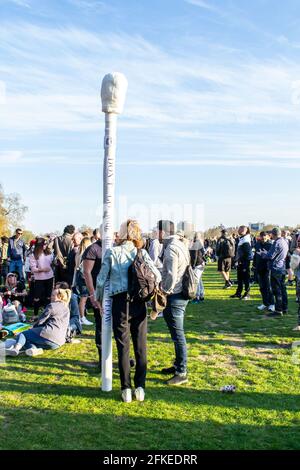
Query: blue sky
(211, 118)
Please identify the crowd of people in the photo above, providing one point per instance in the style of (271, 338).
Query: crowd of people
(60, 278)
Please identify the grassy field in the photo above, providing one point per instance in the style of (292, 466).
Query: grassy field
(54, 401)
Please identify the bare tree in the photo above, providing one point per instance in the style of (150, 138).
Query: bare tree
(12, 212)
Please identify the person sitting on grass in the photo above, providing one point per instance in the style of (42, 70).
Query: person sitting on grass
(14, 289)
(49, 332)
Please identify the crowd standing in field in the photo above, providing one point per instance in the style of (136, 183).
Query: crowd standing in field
(61, 277)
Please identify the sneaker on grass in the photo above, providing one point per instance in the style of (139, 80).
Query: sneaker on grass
(261, 307)
(245, 297)
(139, 394)
(178, 379)
(274, 314)
(85, 321)
(126, 395)
(34, 352)
(271, 308)
(12, 351)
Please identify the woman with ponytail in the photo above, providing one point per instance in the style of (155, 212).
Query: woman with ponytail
(49, 332)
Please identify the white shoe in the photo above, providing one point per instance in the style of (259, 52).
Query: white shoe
(297, 328)
(12, 351)
(261, 307)
(75, 341)
(139, 394)
(86, 322)
(34, 352)
(126, 395)
(271, 308)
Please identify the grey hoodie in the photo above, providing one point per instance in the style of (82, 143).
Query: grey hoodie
(176, 260)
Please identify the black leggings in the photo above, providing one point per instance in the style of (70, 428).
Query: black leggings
(130, 318)
(42, 294)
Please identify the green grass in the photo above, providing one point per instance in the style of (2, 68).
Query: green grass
(54, 401)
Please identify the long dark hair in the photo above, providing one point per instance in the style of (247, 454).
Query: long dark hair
(39, 248)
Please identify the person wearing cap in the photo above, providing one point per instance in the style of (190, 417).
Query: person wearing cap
(277, 263)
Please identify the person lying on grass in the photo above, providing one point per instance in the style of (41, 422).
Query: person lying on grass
(49, 332)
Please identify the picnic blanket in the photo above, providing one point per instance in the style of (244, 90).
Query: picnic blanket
(14, 329)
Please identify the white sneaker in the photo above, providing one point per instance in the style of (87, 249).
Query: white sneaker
(75, 341)
(86, 322)
(271, 308)
(126, 395)
(261, 307)
(34, 352)
(297, 328)
(139, 394)
(12, 351)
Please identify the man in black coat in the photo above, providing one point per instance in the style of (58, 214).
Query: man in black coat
(263, 272)
(243, 258)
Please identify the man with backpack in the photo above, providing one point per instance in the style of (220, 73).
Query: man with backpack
(175, 261)
(225, 251)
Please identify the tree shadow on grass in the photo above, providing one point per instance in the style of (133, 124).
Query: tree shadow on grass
(56, 430)
(171, 395)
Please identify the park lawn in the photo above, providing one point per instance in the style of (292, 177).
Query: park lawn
(54, 401)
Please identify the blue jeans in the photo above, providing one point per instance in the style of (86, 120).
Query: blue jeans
(17, 266)
(29, 339)
(75, 324)
(174, 317)
(279, 291)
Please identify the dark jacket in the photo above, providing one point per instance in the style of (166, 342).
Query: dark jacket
(277, 256)
(197, 257)
(259, 263)
(225, 247)
(16, 249)
(62, 248)
(244, 251)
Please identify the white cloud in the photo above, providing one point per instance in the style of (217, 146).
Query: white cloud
(88, 4)
(53, 78)
(20, 3)
(202, 4)
(10, 157)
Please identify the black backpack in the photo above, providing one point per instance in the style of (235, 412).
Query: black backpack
(189, 284)
(189, 281)
(141, 279)
(226, 248)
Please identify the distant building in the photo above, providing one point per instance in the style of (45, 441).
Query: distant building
(257, 226)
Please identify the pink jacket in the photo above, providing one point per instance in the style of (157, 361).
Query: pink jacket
(44, 262)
